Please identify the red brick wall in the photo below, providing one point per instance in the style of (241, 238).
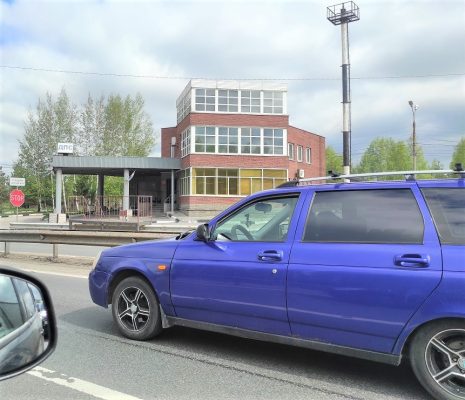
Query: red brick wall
(234, 161)
(316, 143)
(166, 135)
(294, 135)
(272, 121)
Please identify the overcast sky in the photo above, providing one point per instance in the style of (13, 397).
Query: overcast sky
(290, 41)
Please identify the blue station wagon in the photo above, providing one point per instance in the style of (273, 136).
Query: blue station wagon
(374, 270)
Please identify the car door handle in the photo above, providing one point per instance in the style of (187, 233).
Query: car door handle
(270, 255)
(412, 260)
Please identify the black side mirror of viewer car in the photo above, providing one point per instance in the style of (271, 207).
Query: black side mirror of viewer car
(28, 333)
(203, 233)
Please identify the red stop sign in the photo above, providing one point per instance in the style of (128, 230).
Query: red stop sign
(16, 198)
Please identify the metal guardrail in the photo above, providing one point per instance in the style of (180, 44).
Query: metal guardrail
(80, 238)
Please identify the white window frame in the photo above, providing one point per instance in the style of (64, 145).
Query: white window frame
(205, 103)
(290, 150)
(300, 153)
(308, 155)
(185, 142)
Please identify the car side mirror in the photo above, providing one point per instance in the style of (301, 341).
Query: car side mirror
(28, 332)
(203, 233)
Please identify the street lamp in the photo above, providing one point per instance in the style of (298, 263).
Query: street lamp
(414, 108)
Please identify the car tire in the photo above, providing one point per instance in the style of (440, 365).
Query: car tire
(437, 357)
(135, 309)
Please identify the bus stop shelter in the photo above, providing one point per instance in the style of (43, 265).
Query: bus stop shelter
(102, 166)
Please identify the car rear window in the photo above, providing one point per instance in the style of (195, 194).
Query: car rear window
(447, 205)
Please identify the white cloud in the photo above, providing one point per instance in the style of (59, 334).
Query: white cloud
(239, 39)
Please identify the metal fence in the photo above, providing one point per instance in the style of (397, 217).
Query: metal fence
(111, 208)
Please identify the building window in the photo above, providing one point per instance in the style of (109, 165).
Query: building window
(250, 141)
(228, 140)
(308, 155)
(186, 142)
(205, 139)
(272, 102)
(205, 99)
(300, 151)
(184, 182)
(203, 181)
(273, 141)
(290, 150)
(228, 100)
(250, 101)
(230, 181)
(184, 107)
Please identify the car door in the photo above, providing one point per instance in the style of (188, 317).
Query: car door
(446, 201)
(365, 259)
(238, 278)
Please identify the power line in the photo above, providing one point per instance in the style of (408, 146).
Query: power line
(166, 77)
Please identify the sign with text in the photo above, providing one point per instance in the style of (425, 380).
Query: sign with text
(17, 198)
(65, 148)
(17, 181)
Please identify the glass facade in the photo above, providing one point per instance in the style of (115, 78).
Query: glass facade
(273, 141)
(229, 181)
(205, 139)
(250, 141)
(273, 102)
(183, 108)
(228, 100)
(205, 99)
(185, 142)
(233, 140)
(235, 101)
(228, 140)
(250, 101)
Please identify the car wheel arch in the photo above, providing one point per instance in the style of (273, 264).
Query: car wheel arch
(420, 327)
(123, 274)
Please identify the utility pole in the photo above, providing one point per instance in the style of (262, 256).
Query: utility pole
(342, 14)
(414, 108)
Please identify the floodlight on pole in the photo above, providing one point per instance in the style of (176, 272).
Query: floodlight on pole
(342, 14)
(414, 108)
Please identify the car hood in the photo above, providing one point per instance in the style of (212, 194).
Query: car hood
(160, 249)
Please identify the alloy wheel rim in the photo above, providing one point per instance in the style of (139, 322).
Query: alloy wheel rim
(445, 360)
(133, 309)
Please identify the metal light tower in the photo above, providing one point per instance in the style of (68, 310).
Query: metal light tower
(342, 14)
(414, 108)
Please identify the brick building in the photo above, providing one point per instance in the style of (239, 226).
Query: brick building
(234, 138)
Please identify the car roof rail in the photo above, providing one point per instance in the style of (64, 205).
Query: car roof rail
(409, 175)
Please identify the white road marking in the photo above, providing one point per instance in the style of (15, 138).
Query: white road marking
(80, 385)
(56, 273)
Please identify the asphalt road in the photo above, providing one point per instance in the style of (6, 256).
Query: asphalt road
(93, 361)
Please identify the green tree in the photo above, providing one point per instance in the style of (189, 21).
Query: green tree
(333, 160)
(110, 126)
(4, 189)
(128, 129)
(436, 164)
(459, 154)
(91, 126)
(386, 154)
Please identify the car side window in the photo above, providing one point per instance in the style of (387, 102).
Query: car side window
(446, 206)
(10, 310)
(365, 216)
(25, 297)
(262, 220)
